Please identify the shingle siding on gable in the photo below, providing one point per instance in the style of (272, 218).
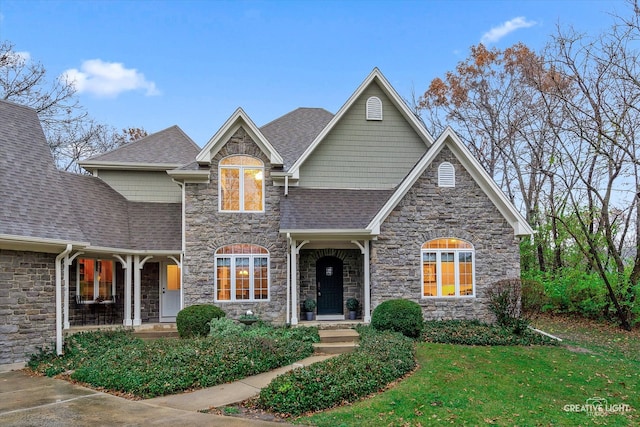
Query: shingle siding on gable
(207, 229)
(358, 153)
(428, 212)
(141, 186)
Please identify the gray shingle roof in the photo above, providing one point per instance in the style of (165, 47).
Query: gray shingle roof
(170, 146)
(292, 133)
(33, 202)
(155, 226)
(324, 209)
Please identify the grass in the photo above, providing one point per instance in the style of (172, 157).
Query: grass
(514, 385)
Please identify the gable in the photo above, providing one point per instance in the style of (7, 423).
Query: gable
(361, 153)
(449, 139)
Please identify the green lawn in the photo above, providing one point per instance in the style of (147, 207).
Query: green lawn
(525, 386)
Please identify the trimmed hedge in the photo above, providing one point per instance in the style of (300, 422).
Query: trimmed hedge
(382, 358)
(193, 321)
(473, 332)
(399, 315)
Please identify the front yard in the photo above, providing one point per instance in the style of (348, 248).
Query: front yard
(592, 378)
(514, 385)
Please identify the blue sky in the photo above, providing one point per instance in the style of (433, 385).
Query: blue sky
(154, 64)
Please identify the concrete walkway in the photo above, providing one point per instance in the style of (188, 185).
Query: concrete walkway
(41, 401)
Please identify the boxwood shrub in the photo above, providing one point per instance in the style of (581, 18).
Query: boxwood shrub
(381, 358)
(399, 315)
(193, 321)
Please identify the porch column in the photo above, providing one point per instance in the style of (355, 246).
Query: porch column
(366, 308)
(294, 283)
(367, 285)
(67, 263)
(126, 321)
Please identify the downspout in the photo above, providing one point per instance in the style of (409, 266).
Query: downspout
(59, 259)
(287, 319)
(286, 185)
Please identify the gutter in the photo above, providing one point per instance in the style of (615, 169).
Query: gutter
(59, 258)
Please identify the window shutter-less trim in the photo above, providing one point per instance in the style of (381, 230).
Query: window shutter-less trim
(374, 108)
(446, 175)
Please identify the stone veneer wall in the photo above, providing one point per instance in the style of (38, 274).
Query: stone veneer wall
(150, 293)
(352, 273)
(429, 212)
(207, 229)
(27, 304)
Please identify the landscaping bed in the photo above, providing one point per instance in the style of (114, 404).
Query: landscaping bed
(121, 363)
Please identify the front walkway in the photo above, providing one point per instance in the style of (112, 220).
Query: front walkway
(32, 400)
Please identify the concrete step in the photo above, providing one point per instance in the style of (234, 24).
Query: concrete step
(335, 347)
(336, 341)
(338, 335)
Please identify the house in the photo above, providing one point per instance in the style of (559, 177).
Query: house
(363, 204)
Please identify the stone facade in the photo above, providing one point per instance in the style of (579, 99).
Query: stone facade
(207, 229)
(352, 273)
(27, 304)
(429, 212)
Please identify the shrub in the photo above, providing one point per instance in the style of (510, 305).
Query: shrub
(533, 297)
(504, 301)
(472, 332)
(224, 327)
(381, 358)
(399, 315)
(193, 321)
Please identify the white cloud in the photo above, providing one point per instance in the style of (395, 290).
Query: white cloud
(17, 59)
(496, 33)
(108, 79)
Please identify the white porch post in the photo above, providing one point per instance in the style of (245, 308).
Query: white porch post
(366, 308)
(126, 263)
(294, 283)
(367, 285)
(136, 291)
(67, 263)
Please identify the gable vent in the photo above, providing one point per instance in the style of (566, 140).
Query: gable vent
(374, 108)
(446, 175)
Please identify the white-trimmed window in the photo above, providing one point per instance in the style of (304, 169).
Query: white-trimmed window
(374, 108)
(446, 175)
(242, 273)
(241, 184)
(448, 268)
(95, 280)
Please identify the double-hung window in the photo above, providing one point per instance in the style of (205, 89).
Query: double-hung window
(95, 280)
(447, 268)
(242, 273)
(241, 184)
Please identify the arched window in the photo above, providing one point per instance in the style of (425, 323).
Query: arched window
(242, 273)
(241, 184)
(374, 108)
(448, 268)
(446, 175)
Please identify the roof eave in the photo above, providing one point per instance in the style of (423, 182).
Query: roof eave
(189, 176)
(92, 165)
(329, 234)
(37, 244)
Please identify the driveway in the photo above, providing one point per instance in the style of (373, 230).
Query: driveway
(42, 401)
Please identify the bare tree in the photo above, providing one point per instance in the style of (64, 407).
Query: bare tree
(72, 135)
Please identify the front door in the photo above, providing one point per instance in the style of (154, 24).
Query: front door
(329, 285)
(170, 293)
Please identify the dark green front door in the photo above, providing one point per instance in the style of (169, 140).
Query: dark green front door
(329, 285)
